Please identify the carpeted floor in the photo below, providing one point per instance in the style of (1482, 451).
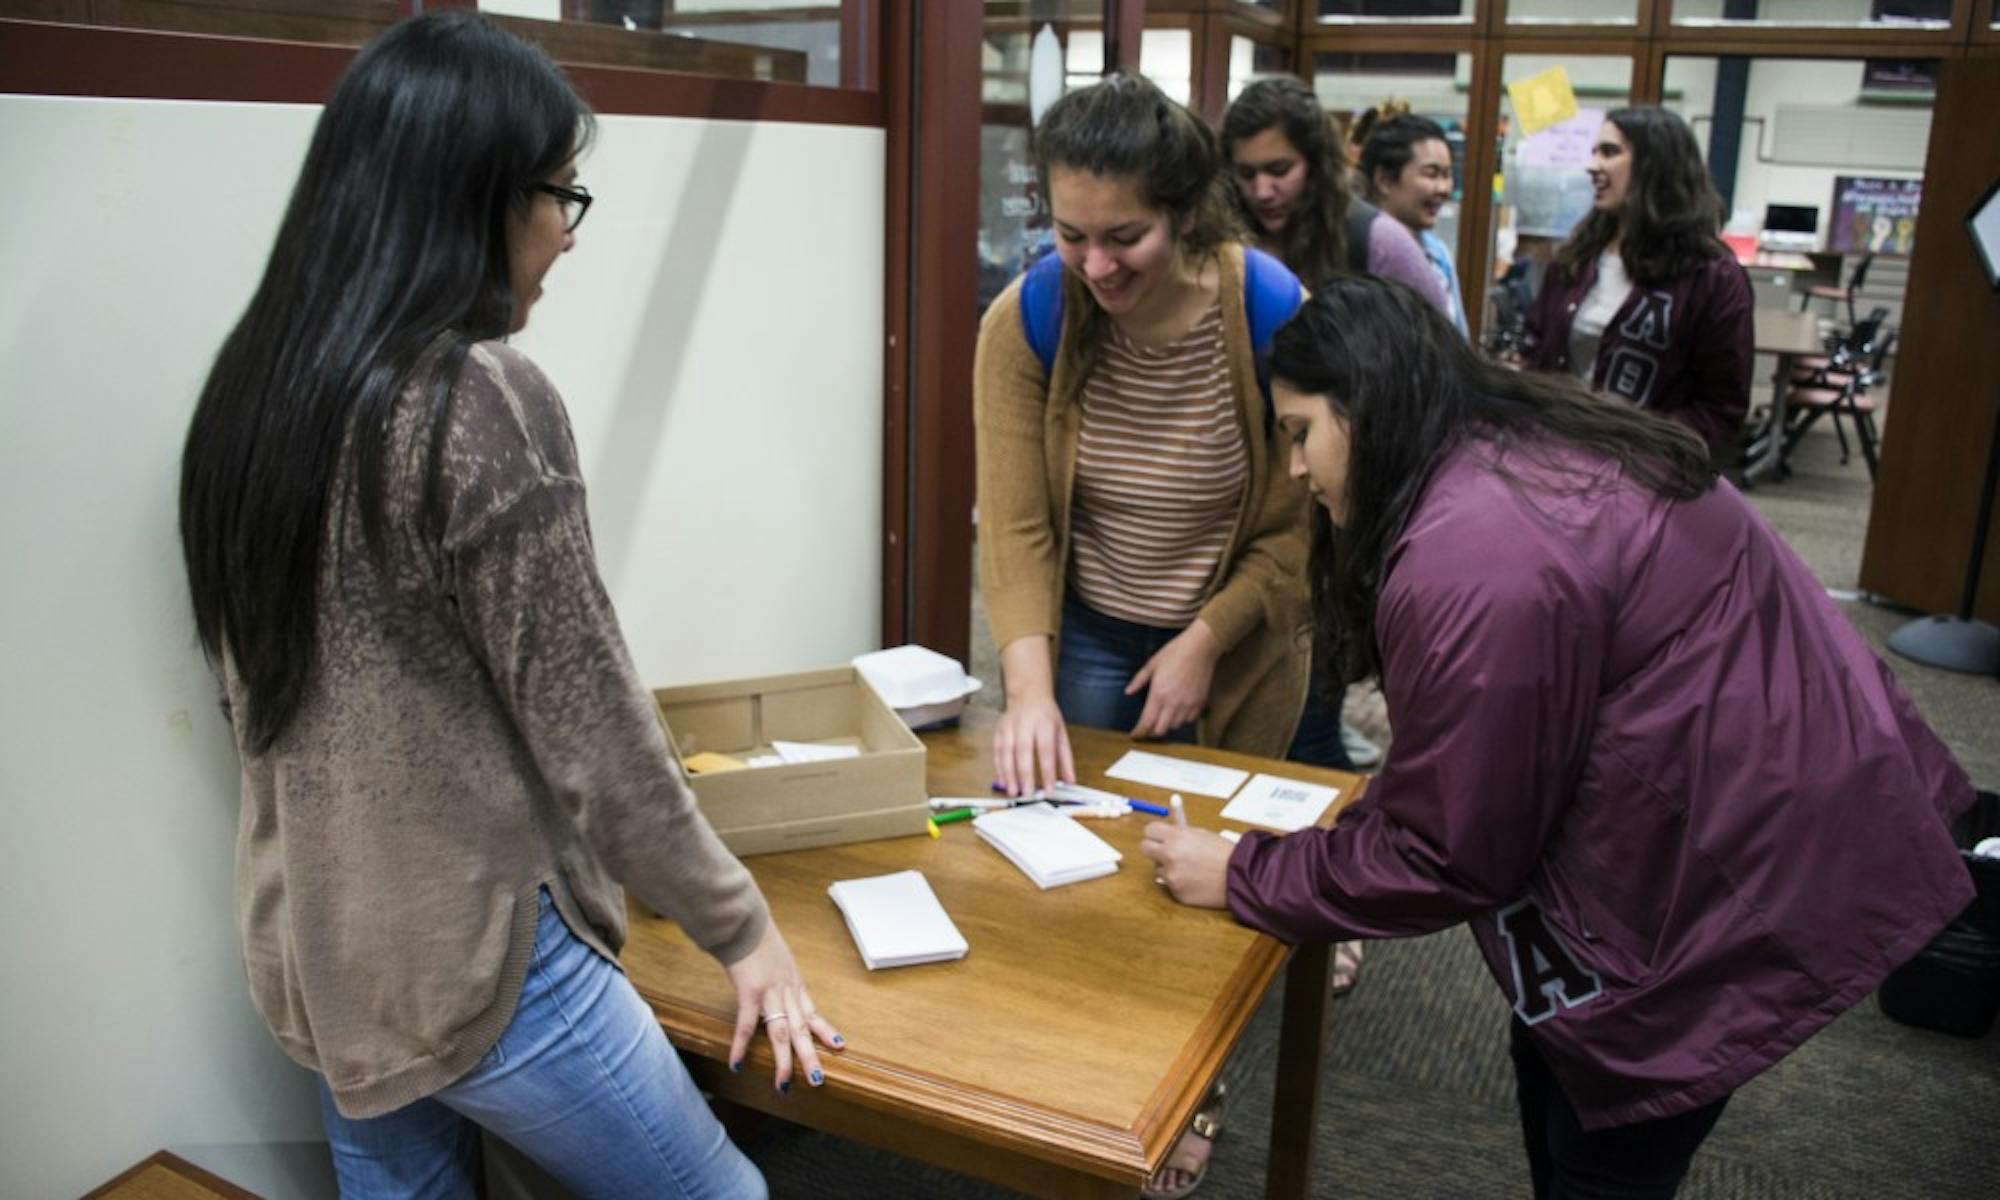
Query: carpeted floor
(1417, 1094)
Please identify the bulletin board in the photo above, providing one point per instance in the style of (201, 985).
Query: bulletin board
(1872, 214)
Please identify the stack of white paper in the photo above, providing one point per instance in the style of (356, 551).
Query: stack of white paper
(1047, 845)
(896, 920)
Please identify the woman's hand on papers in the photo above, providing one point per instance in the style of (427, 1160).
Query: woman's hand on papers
(771, 993)
(1031, 732)
(1176, 681)
(1193, 864)
(1031, 747)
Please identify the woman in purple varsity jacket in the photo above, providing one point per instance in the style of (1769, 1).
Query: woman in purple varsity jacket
(1644, 301)
(1688, 814)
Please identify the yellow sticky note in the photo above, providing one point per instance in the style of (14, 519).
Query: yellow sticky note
(1542, 100)
(710, 763)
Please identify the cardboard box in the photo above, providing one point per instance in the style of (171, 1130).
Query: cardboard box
(879, 793)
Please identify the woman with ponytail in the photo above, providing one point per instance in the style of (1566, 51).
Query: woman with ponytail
(1141, 549)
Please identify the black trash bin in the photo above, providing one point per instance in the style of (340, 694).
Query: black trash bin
(1953, 984)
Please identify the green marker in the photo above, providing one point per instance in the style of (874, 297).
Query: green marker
(956, 814)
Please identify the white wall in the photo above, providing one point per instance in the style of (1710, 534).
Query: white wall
(717, 337)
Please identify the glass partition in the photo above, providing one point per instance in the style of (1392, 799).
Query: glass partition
(1430, 85)
(767, 40)
(1820, 165)
(1348, 12)
(1250, 60)
(755, 39)
(1883, 14)
(1572, 12)
(1026, 64)
(1541, 190)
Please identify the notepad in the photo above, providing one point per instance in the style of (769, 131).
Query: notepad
(896, 920)
(1047, 845)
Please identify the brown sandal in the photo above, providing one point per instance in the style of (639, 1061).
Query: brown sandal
(1190, 1155)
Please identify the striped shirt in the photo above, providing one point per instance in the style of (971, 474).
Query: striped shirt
(1160, 470)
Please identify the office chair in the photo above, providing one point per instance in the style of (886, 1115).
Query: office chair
(1844, 389)
(1510, 319)
(1807, 369)
(1838, 294)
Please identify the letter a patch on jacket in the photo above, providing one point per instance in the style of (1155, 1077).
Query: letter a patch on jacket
(1544, 969)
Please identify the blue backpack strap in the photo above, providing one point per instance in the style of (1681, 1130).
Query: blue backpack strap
(1271, 294)
(1042, 308)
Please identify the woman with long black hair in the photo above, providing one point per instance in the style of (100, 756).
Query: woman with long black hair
(449, 763)
(1292, 193)
(1644, 301)
(1688, 815)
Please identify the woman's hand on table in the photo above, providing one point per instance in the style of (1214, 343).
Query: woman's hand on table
(1031, 747)
(1176, 681)
(770, 992)
(1193, 864)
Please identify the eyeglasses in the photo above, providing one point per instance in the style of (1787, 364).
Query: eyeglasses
(575, 202)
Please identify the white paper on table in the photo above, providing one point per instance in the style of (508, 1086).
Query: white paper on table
(1177, 774)
(1279, 803)
(805, 752)
(1047, 844)
(897, 921)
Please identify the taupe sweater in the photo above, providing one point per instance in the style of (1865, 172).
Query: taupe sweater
(474, 730)
(1027, 424)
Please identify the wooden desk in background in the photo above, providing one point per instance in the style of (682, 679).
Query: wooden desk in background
(1069, 1048)
(1789, 336)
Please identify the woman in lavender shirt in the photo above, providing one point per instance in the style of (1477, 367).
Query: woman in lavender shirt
(1688, 815)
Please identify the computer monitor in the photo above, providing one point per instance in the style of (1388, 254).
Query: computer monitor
(1791, 218)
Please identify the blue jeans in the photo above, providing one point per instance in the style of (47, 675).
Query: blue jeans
(1101, 653)
(583, 1082)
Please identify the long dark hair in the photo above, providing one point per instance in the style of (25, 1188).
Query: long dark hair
(1125, 127)
(390, 263)
(1314, 241)
(1409, 388)
(1671, 220)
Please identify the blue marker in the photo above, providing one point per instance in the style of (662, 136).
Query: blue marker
(1070, 793)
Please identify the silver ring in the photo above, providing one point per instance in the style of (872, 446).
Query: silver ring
(770, 1017)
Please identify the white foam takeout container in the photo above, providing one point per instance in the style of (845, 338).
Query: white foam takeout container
(924, 687)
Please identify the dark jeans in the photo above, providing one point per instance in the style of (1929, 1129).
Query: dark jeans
(1643, 1161)
(1101, 653)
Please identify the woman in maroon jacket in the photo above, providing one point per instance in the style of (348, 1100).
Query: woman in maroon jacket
(1645, 301)
(1687, 813)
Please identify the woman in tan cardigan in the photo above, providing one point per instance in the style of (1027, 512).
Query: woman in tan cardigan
(1142, 549)
(1137, 479)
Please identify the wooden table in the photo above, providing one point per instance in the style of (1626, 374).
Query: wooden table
(1066, 1052)
(1788, 335)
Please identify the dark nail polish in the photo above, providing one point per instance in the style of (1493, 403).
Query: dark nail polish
(785, 1088)
(818, 1078)
(838, 1040)
(736, 1068)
